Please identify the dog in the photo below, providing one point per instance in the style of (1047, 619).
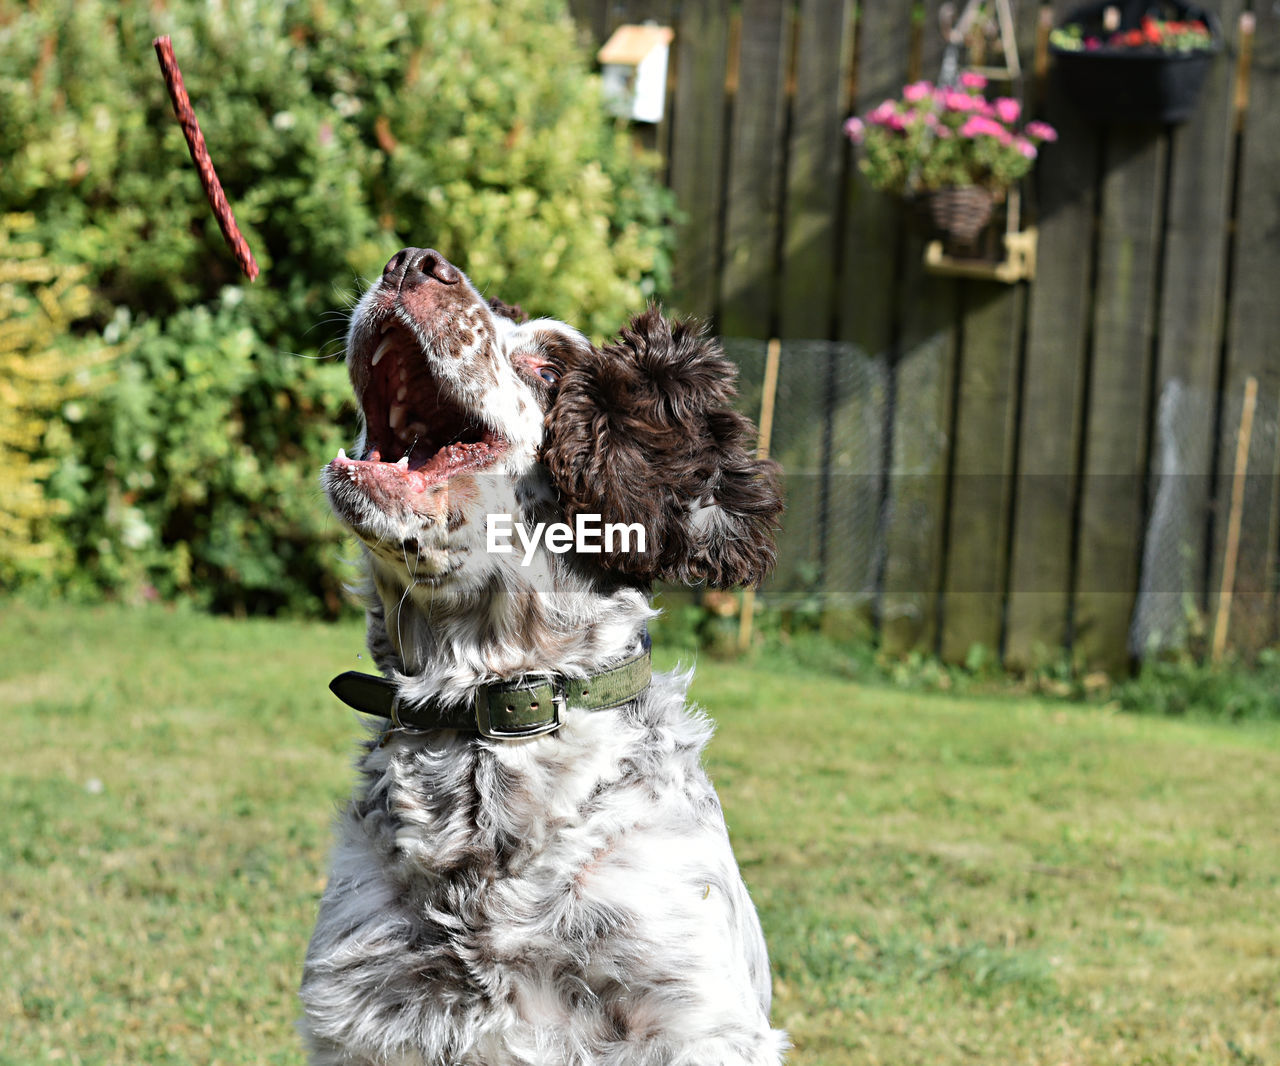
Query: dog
(535, 868)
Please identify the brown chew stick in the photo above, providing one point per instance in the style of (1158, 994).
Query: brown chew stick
(200, 156)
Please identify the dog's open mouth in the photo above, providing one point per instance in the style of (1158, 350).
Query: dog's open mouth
(416, 431)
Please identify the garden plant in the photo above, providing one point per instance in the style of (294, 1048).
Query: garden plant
(191, 471)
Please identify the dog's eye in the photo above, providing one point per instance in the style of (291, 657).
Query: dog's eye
(549, 374)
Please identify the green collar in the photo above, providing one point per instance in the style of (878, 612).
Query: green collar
(501, 710)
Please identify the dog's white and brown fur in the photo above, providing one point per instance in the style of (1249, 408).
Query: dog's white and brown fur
(570, 899)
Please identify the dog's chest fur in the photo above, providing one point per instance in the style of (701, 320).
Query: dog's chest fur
(571, 900)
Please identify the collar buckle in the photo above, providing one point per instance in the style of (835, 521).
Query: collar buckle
(487, 695)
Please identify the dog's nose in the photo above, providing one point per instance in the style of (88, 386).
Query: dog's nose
(410, 267)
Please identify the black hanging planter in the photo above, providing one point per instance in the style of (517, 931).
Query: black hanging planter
(1114, 83)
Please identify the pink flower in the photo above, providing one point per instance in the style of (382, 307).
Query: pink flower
(973, 80)
(1042, 131)
(981, 126)
(855, 129)
(896, 122)
(958, 101)
(1008, 109)
(880, 116)
(1026, 147)
(1092, 44)
(917, 91)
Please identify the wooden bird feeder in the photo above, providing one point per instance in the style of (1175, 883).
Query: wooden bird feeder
(634, 62)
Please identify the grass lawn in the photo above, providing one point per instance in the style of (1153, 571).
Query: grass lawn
(942, 879)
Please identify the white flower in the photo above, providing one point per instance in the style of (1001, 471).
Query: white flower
(346, 105)
(134, 531)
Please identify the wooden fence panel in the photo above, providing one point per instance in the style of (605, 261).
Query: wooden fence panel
(981, 468)
(817, 93)
(920, 406)
(985, 465)
(895, 307)
(698, 138)
(747, 295)
(1052, 395)
(592, 15)
(979, 456)
(872, 221)
(854, 486)
(1040, 571)
(819, 105)
(1254, 349)
(868, 304)
(1110, 536)
(1190, 337)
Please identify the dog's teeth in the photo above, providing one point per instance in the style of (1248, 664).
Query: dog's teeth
(418, 429)
(396, 416)
(385, 326)
(403, 462)
(402, 392)
(342, 453)
(380, 352)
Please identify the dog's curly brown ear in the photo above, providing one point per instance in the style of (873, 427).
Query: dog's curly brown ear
(644, 431)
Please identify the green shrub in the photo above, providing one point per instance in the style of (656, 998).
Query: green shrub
(42, 373)
(1190, 688)
(206, 483)
(341, 131)
(796, 636)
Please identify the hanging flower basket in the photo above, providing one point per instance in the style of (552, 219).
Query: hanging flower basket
(1136, 62)
(949, 152)
(957, 213)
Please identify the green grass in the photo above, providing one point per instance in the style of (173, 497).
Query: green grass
(942, 879)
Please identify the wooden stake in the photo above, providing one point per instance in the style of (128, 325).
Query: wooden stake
(773, 356)
(1227, 590)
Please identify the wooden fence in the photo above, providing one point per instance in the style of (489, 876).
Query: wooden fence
(1025, 467)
